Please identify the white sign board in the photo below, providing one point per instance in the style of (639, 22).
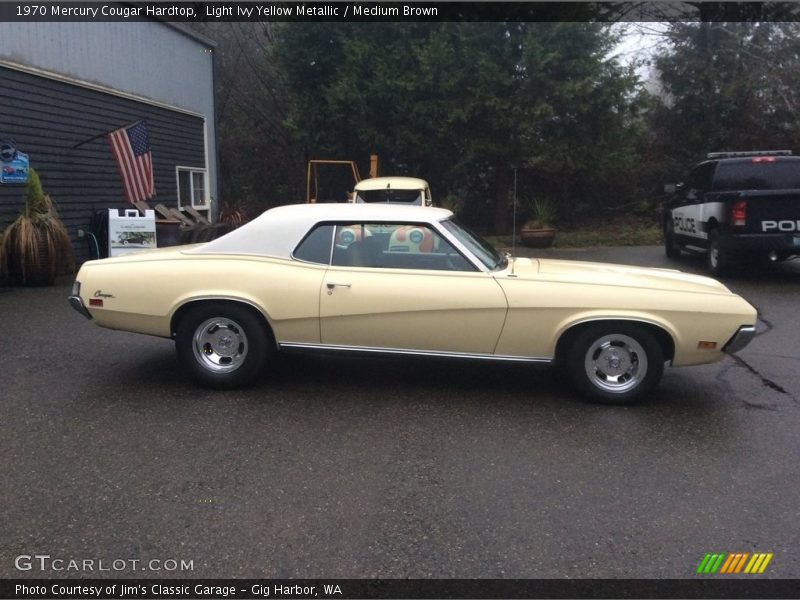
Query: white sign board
(130, 231)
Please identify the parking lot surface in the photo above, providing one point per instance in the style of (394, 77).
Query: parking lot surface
(393, 468)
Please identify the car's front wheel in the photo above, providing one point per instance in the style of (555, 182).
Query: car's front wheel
(223, 345)
(614, 363)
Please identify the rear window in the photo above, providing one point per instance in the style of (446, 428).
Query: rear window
(778, 175)
(317, 246)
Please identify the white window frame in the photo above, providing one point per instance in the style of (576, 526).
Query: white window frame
(206, 204)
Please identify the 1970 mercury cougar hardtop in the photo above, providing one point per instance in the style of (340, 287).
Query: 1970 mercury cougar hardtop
(403, 280)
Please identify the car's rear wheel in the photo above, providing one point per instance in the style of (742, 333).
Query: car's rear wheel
(223, 345)
(615, 363)
(671, 247)
(716, 259)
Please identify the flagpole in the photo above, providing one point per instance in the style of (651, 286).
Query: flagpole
(105, 133)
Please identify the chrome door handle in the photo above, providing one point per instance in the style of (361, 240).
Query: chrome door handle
(334, 285)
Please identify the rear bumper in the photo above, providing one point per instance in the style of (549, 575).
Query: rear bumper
(76, 303)
(740, 339)
(788, 243)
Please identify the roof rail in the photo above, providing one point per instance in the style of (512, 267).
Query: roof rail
(749, 153)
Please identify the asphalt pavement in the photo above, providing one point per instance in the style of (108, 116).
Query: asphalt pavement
(392, 468)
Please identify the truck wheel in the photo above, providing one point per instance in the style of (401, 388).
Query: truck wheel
(223, 345)
(671, 248)
(614, 363)
(716, 259)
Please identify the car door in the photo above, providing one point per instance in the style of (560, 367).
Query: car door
(402, 286)
(688, 217)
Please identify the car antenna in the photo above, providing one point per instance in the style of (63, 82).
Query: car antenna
(514, 226)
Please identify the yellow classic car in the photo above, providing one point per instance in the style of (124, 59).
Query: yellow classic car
(407, 280)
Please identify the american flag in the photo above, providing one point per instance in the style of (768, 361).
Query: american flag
(131, 149)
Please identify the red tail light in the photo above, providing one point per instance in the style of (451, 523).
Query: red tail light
(739, 213)
(762, 159)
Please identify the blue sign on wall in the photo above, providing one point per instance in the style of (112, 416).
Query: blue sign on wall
(13, 164)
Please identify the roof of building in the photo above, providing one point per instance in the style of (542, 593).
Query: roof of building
(189, 32)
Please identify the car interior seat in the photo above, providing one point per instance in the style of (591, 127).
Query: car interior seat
(364, 253)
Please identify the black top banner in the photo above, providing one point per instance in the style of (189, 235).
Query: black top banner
(163, 589)
(411, 11)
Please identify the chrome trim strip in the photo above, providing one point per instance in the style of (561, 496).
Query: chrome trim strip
(740, 339)
(456, 243)
(303, 239)
(255, 306)
(401, 351)
(433, 225)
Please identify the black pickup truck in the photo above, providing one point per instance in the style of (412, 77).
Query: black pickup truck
(736, 205)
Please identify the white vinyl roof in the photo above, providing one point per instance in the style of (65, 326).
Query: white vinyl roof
(278, 231)
(391, 183)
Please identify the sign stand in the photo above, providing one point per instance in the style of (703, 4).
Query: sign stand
(130, 232)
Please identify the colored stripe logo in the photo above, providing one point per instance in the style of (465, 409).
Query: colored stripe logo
(734, 563)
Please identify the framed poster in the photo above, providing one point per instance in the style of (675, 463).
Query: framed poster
(13, 164)
(130, 231)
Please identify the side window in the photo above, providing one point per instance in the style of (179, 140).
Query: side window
(395, 246)
(316, 246)
(699, 180)
(192, 188)
(706, 176)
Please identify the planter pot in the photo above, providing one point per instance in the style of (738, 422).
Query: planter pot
(538, 238)
(37, 274)
(42, 272)
(168, 233)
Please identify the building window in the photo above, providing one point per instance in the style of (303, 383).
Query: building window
(192, 188)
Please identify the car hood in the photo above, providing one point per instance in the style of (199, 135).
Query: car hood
(584, 272)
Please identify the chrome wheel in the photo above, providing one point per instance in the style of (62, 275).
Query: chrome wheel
(717, 260)
(220, 345)
(223, 344)
(615, 363)
(713, 257)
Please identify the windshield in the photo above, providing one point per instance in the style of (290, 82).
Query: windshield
(482, 249)
(392, 196)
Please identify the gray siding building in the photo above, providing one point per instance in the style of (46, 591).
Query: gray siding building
(62, 84)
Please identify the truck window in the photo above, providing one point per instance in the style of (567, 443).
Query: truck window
(777, 175)
(700, 177)
(392, 196)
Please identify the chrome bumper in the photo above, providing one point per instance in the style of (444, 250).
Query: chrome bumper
(76, 303)
(740, 339)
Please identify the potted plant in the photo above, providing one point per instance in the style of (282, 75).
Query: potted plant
(233, 213)
(538, 231)
(36, 246)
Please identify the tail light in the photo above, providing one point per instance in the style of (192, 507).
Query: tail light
(739, 213)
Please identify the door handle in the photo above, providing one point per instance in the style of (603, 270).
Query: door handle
(332, 285)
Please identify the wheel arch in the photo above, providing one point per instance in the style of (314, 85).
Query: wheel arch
(664, 338)
(182, 309)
